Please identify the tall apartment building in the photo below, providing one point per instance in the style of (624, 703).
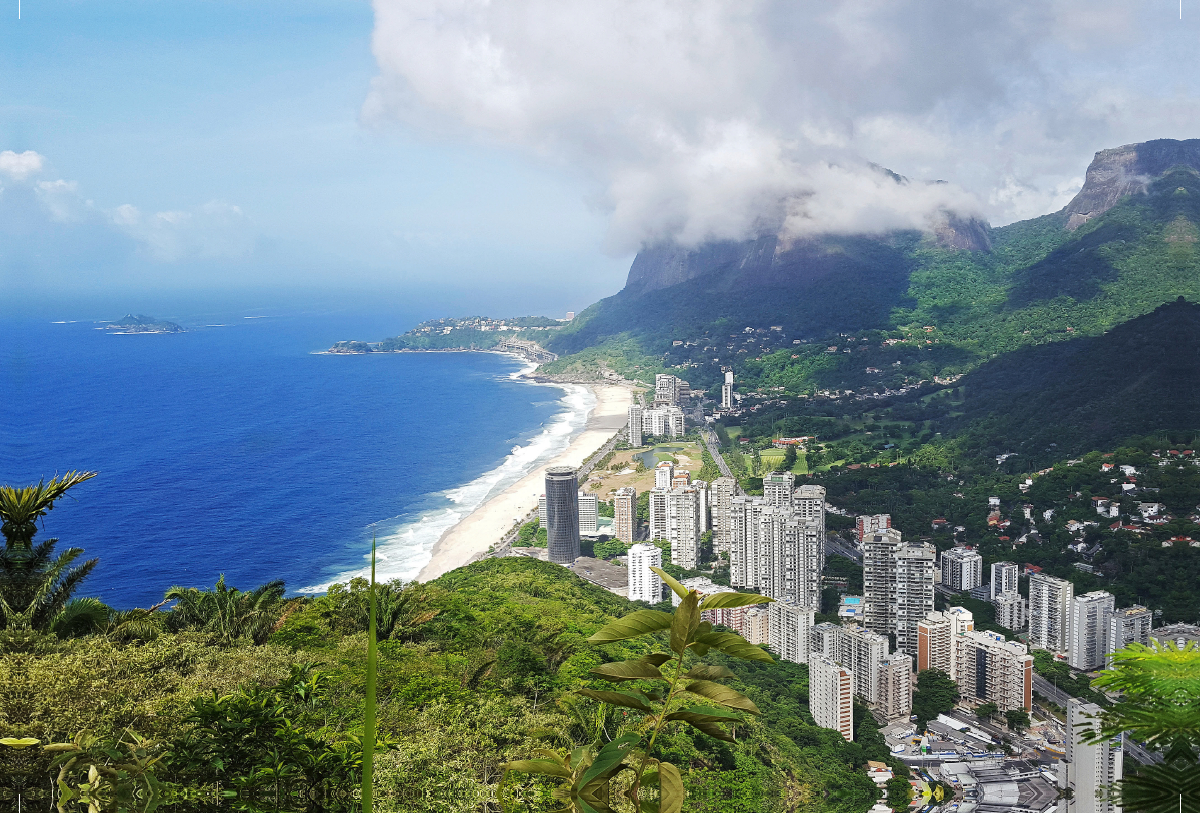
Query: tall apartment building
(663, 421)
(756, 626)
(1089, 770)
(914, 592)
(727, 389)
(790, 630)
(721, 493)
(681, 477)
(938, 635)
(683, 526)
(664, 474)
(703, 495)
(1012, 610)
(625, 522)
(990, 668)
(776, 551)
(831, 695)
(1130, 625)
(869, 524)
(809, 502)
(777, 488)
(635, 425)
(644, 584)
(895, 686)
(856, 648)
(589, 514)
(1004, 578)
(666, 390)
(1050, 603)
(562, 515)
(879, 580)
(962, 569)
(657, 504)
(1090, 617)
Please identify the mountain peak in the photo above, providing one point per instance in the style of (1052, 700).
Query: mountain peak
(1128, 170)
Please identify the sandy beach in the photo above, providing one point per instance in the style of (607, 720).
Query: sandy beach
(486, 525)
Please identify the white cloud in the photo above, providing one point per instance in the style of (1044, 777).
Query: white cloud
(20, 165)
(61, 198)
(213, 230)
(720, 118)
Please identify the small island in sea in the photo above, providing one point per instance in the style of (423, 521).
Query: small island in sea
(142, 324)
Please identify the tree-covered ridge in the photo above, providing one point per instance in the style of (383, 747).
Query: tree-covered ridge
(908, 309)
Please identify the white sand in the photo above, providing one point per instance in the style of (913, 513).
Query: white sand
(487, 524)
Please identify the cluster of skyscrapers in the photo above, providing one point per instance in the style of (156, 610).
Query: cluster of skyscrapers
(1086, 628)
(679, 513)
(986, 667)
(664, 418)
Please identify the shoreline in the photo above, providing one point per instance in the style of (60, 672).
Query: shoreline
(469, 538)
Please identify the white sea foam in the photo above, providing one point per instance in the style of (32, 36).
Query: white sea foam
(403, 549)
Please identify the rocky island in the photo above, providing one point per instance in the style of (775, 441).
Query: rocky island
(142, 324)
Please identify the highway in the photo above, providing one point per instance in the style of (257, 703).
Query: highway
(836, 545)
(714, 449)
(1049, 691)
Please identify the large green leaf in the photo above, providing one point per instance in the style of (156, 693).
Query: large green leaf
(718, 600)
(544, 767)
(724, 695)
(678, 588)
(708, 671)
(735, 646)
(628, 670)
(634, 625)
(687, 618)
(656, 658)
(609, 760)
(670, 789)
(625, 699)
(705, 714)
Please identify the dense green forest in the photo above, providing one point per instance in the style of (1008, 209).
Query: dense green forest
(258, 694)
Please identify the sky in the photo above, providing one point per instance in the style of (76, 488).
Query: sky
(516, 155)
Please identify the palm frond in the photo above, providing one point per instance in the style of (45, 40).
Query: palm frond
(80, 616)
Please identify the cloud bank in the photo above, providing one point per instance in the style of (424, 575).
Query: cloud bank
(702, 119)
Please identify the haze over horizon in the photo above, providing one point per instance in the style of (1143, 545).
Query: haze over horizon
(516, 156)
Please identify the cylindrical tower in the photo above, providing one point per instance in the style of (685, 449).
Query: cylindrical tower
(562, 514)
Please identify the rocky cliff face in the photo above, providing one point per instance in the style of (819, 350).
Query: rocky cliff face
(769, 260)
(1128, 170)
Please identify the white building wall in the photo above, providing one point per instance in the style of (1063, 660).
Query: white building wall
(790, 630)
(1090, 770)
(831, 695)
(1091, 614)
(1050, 603)
(644, 584)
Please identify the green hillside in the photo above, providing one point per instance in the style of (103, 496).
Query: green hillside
(941, 311)
(475, 669)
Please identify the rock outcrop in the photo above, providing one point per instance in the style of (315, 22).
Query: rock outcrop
(1128, 170)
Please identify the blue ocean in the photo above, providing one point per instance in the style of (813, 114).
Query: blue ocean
(239, 448)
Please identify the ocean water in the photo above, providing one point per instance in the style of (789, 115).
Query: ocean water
(239, 448)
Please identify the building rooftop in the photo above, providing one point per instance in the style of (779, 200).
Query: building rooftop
(611, 577)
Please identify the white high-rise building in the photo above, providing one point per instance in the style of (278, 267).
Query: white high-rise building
(1089, 770)
(938, 636)
(644, 584)
(1012, 611)
(809, 502)
(914, 592)
(722, 492)
(895, 686)
(777, 488)
(635, 425)
(658, 513)
(702, 494)
(962, 569)
(683, 523)
(663, 421)
(1050, 604)
(625, 515)
(664, 474)
(831, 695)
(666, 390)
(1004, 578)
(1090, 617)
(989, 668)
(856, 648)
(776, 551)
(790, 629)
(589, 514)
(727, 390)
(1130, 625)
(879, 580)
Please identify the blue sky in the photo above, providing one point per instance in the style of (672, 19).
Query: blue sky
(244, 119)
(513, 156)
